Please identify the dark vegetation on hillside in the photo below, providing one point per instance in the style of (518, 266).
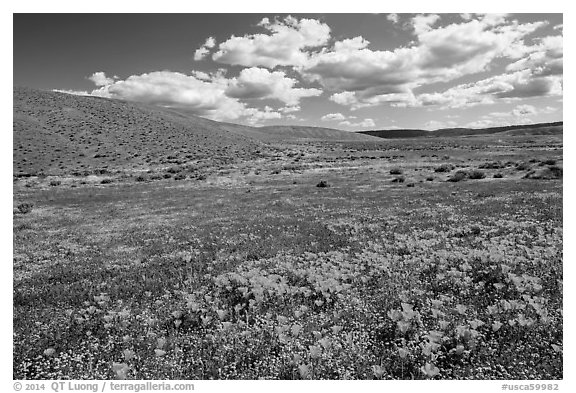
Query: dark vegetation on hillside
(529, 129)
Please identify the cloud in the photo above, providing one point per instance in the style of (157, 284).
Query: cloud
(545, 58)
(435, 124)
(424, 23)
(366, 123)
(521, 114)
(210, 94)
(357, 100)
(284, 44)
(394, 18)
(360, 76)
(523, 110)
(200, 93)
(203, 51)
(100, 79)
(333, 117)
(519, 84)
(260, 83)
(255, 116)
(73, 92)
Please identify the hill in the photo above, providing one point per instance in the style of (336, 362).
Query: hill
(306, 133)
(57, 133)
(529, 129)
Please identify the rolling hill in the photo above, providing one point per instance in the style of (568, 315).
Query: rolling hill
(527, 129)
(60, 133)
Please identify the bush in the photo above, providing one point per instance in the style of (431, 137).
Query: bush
(476, 175)
(395, 171)
(498, 176)
(410, 185)
(54, 183)
(174, 169)
(491, 165)
(548, 162)
(106, 181)
(399, 179)
(522, 166)
(429, 178)
(180, 176)
(458, 176)
(25, 207)
(322, 184)
(141, 178)
(444, 168)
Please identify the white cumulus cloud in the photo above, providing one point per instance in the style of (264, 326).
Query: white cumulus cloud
(333, 117)
(260, 83)
(100, 79)
(285, 44)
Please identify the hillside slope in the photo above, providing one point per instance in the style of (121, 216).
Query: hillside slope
(529, 129)
(305, 133)
(55, 133)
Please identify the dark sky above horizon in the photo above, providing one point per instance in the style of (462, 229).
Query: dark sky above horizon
(347, 71)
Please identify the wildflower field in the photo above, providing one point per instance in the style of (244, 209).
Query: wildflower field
(256, 272)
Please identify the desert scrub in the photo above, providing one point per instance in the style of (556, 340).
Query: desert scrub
(491, 165)
(476, 174)
(444, 168)
(54, 183)
(25, 207)
(522, 166)
(458, 176)
(395, 171)
(323, 184)
(549, 161)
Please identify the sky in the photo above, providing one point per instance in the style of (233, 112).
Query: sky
(347, 71)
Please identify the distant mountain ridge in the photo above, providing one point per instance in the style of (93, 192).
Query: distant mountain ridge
(554, 128)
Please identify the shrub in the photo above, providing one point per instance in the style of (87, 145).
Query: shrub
(498, 176)
(167, 175)
(395, 171)
(180, 176)
(556, 171)
(25, 207)
(491, 165)
(141, 178)
(444, 168)
(410, 185)
(323, 184)
(548, 162)
(548, 173)
(399, 179)
(174, 169)
(106, 181)
(476, 175)
(522, 166)
(429, 178)
(54, 183)
(458, 176)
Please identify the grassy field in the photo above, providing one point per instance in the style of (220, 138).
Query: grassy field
(399, 268)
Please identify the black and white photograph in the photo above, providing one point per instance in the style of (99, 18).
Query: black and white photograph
(287, 196)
